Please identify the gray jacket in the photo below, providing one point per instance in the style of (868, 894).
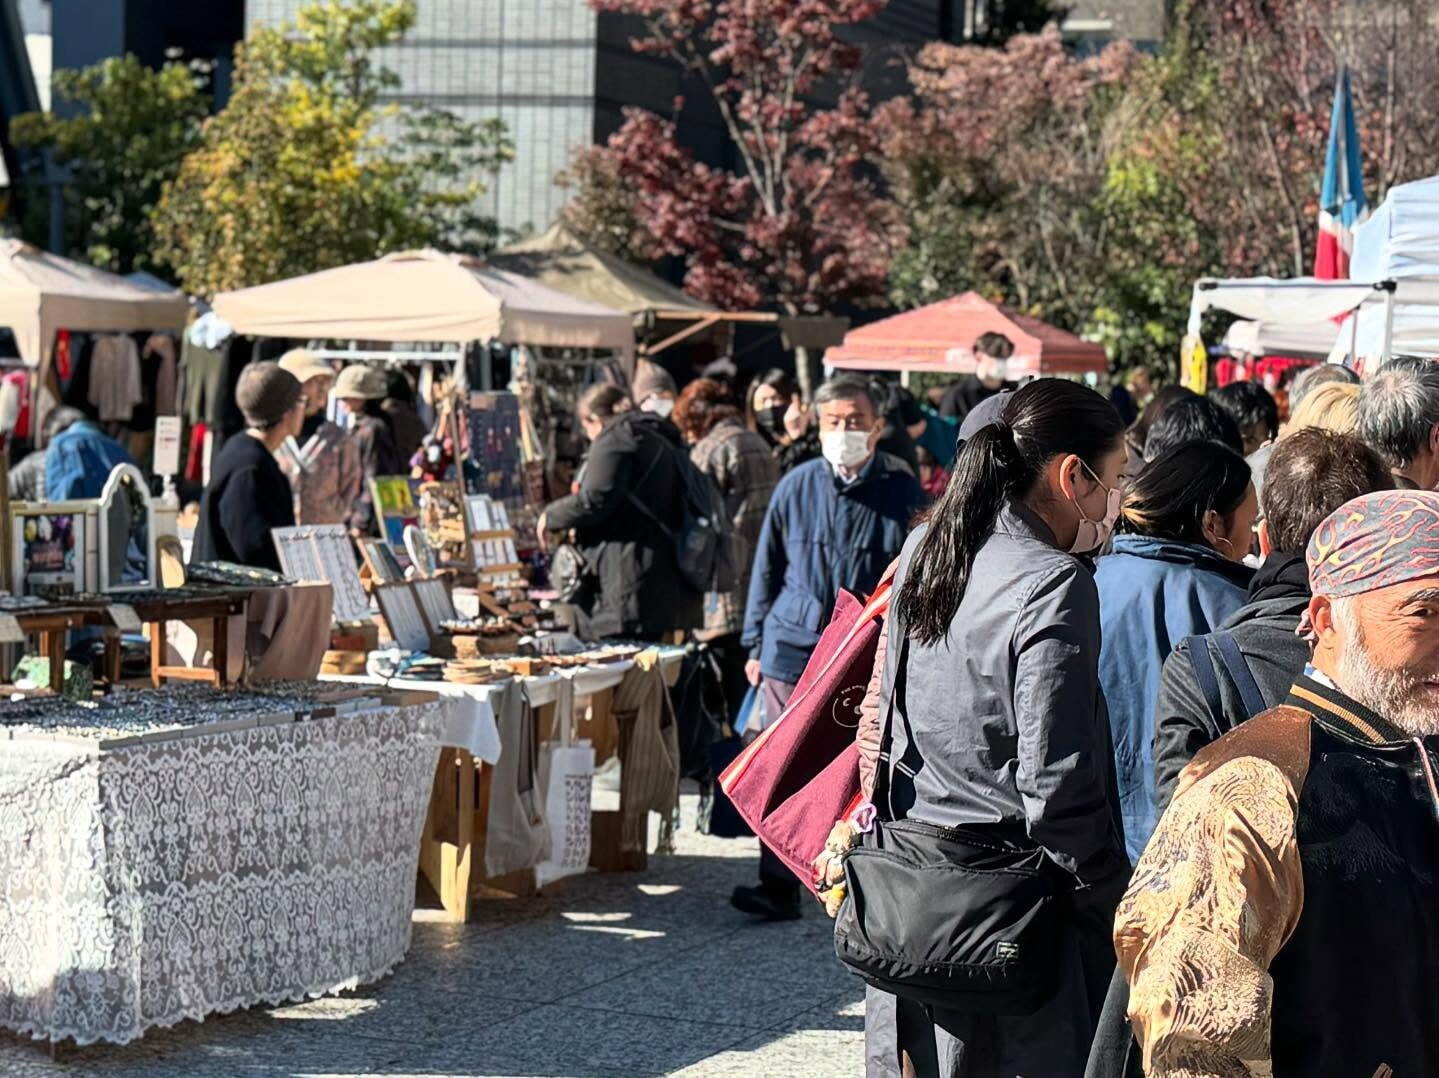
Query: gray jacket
(1003, 726)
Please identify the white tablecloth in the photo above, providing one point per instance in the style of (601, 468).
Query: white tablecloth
(471, 725)
(173, 879)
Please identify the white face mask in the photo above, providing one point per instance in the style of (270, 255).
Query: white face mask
(998, 369)
(846, 449)
(1093, 534)
(660, 406)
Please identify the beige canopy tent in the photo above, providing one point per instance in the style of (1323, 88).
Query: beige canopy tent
(565, 262)
(41, 293)
(663, 314)
(416, 296)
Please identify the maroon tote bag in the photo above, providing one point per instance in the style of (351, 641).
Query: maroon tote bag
(802, 774)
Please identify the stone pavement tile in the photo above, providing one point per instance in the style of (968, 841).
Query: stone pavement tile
(247, 1044)
(842, 1012)
(20, 1057)
(433, 1017)
(797, 952)
(785, 1055)
(565, 1040)
(546, 961)
(698, 988)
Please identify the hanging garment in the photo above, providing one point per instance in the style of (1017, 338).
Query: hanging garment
(649, 752)
(158, 375)
(115, 386)
(15, 405)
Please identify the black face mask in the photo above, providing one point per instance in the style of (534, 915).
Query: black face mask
(771, 420)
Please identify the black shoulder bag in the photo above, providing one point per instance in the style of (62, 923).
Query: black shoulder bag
(950, 917)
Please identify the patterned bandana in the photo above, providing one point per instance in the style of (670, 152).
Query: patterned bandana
(1378, 539)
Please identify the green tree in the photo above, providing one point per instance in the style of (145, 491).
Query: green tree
(307, 167)
(132, 128)
(998, 164)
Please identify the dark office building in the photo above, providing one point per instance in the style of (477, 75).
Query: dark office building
(86, 31)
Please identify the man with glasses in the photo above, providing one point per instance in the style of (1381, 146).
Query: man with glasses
(833, 523)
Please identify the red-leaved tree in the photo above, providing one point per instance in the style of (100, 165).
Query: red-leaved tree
(800, 226)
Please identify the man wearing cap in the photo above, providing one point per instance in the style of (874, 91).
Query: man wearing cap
(1284, 918)
(322, 465)
(248, 496)
(361, 390)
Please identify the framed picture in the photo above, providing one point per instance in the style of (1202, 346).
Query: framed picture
(49, 547)
(384, 566)
(435, 602)
(401, 611)
(323, 552)
(393, 495)
(495, 437)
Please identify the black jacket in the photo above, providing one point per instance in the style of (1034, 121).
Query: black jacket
(247, 498)
(1264, 628)
(639, 591)
(964, 394)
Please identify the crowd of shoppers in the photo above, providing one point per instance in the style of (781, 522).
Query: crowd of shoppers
(1186, 662)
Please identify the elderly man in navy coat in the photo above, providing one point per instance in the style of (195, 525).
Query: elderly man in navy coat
(833, 523)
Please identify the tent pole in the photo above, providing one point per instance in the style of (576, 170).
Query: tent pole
(1354, 339)
(1388, 327)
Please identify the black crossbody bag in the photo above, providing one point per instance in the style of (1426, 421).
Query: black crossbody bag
(950, 917)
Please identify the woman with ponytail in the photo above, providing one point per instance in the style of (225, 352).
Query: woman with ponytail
(1175, 570)
(995, 724)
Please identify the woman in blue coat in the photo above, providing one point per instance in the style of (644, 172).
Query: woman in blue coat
(1175, 570)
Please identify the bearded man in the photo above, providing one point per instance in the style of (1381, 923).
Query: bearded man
(1285, 915)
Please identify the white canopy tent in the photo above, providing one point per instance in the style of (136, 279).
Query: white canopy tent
(1312, 340)
(1383, 317)
(1400, 241)
(426, 296)
(41, 293)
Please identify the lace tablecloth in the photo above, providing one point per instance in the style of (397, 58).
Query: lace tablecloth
(172, 879)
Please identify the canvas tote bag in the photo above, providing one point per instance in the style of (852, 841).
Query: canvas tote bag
(566, 779)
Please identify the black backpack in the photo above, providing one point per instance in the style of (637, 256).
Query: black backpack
(705, 541)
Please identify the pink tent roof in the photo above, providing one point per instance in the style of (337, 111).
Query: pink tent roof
(941, 337)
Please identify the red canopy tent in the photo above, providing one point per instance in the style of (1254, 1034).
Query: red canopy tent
(940, 338)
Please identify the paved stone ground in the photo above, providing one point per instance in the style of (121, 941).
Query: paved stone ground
(639, 974)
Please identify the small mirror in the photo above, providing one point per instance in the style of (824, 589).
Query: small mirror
(127, 531)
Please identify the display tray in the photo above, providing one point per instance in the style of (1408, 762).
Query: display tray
(131, 716)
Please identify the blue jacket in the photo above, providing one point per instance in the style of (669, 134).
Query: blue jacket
(820, 535)
(1152, 594)
(79, 460)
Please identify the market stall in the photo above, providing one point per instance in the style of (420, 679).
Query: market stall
(173, 854)
(42, 293)
(940, 339)
(1389, 306)
(426, 296)
(43, 296)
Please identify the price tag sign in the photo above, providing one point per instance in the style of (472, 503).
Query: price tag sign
(124, 618)
(10, 631)
(167, 445)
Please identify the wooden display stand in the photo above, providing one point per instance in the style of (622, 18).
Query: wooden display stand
(452, 846)
(156, 614)
(51, 624)
(607, 854)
